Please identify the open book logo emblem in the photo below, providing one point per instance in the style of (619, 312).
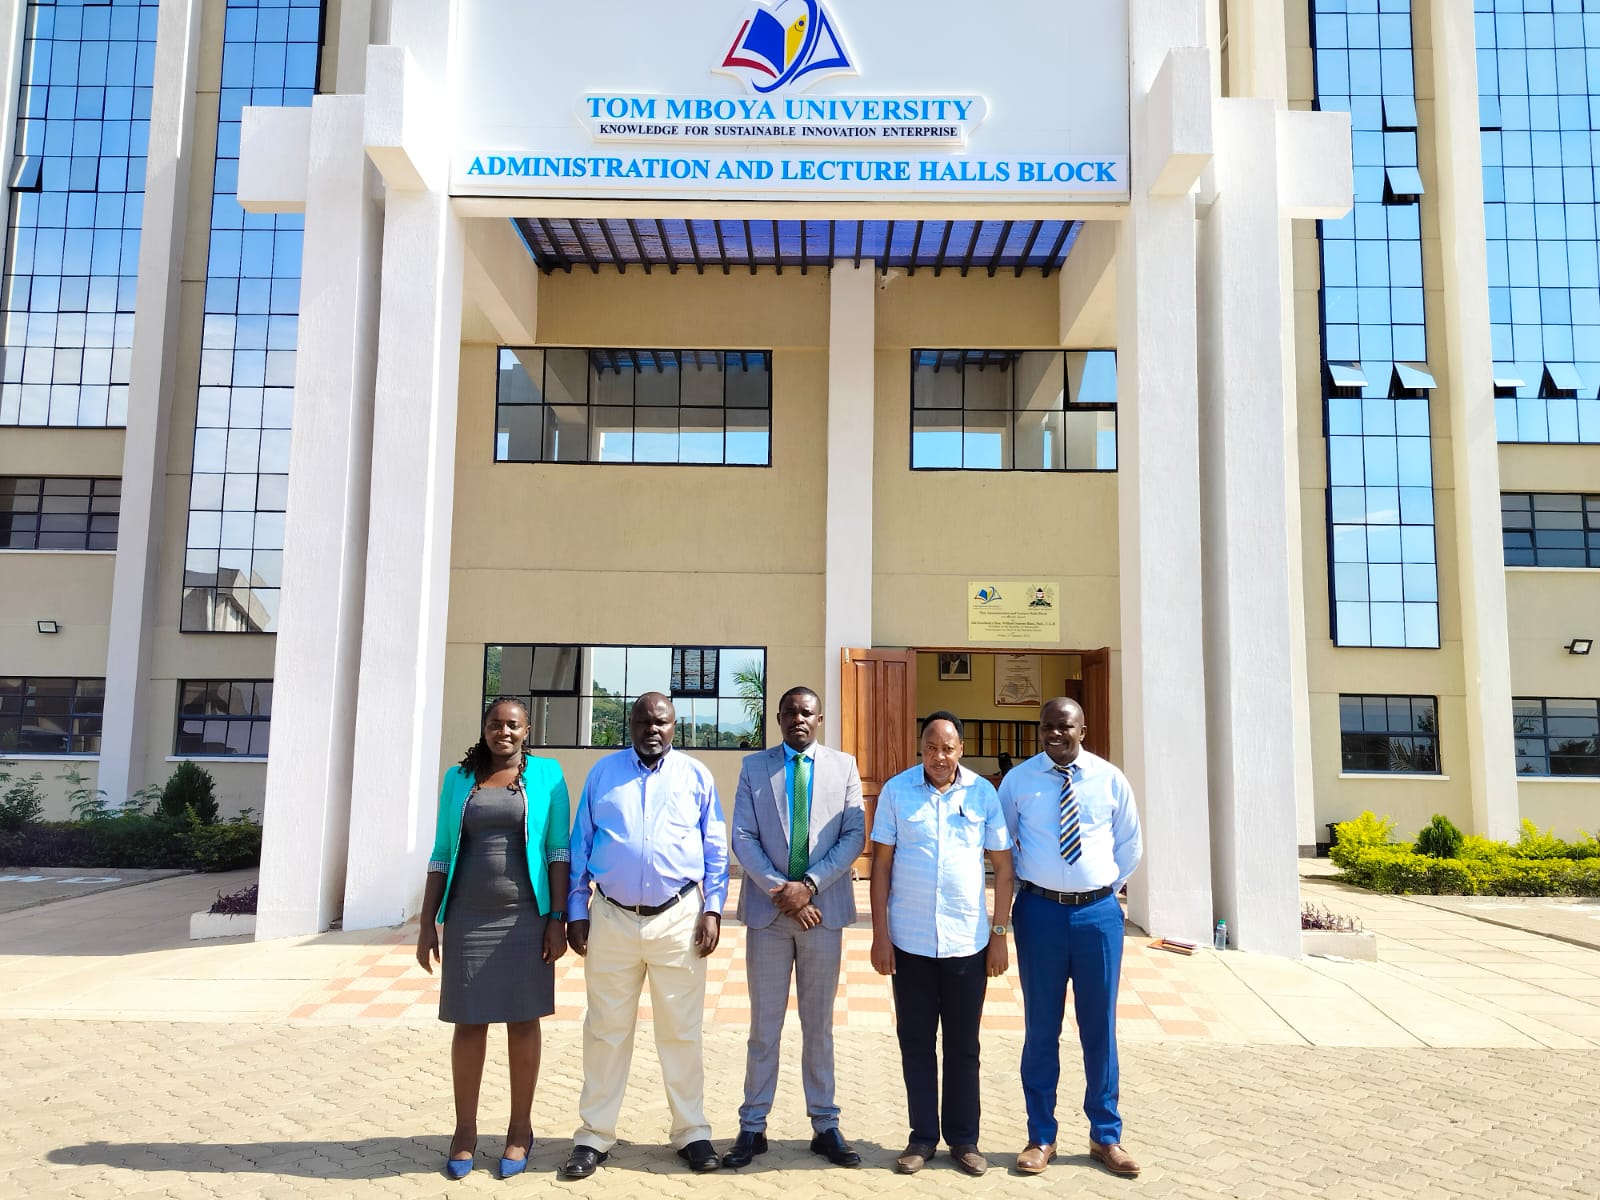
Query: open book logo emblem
(783, 43)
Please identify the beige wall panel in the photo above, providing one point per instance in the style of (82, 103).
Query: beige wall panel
(1547, 609)
(1549, 468)
(1568, 807)
(687, 310)
(638, 518)
(54, 789)
(35, 451)
(73, 589)
(975, 313)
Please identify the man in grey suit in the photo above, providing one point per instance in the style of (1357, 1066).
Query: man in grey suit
(798, 825)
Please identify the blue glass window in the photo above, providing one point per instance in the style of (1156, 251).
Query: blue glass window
(1383, 573)
(691, 407)
(1389, 734)
(1556, 736)
(1538, 103)
(1014, 410)
(76, 206)
(233, 563)
(224, 718)
(1550, 529)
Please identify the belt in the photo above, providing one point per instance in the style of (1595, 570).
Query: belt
(1073, 898)
(650, 910)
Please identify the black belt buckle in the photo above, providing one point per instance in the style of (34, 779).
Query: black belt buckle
(648, 910)
(1071, 899)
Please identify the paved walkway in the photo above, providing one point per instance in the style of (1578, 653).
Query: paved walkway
(1466, 1062)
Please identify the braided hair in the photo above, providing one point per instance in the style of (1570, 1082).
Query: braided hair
(477, 761)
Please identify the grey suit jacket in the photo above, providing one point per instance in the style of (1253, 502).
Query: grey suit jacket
(760, 834)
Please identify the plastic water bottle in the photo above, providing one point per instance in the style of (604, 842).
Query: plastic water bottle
(1219, 939)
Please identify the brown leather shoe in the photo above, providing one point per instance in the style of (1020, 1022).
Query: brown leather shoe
(1114, 1159)
(969, 1159)
(1035, 1158)
(914, 1158)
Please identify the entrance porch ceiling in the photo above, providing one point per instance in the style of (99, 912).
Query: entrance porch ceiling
(964, 246)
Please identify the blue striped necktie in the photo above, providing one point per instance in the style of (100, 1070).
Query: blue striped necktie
(1071, 835)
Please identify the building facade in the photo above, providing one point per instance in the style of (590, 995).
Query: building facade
(1230, 365)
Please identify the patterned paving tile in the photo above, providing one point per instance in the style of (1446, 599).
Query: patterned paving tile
(1156, 1001)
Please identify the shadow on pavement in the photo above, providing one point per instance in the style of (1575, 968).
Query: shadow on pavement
(386, 1157)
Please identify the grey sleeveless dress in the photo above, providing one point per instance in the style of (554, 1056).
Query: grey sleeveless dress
(492, 967)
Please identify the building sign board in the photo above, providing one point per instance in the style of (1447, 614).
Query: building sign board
(1014, 611)
(944, 100)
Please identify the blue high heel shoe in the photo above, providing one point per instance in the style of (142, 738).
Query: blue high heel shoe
(460, 1168)
(516, 1166)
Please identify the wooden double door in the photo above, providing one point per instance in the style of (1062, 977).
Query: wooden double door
(879, 721)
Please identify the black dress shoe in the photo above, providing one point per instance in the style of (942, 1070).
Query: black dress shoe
(582, 1162)
(746, 1146)
(701, 1156)
(831, 1145)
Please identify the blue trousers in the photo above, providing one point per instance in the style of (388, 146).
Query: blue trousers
(1057, 944)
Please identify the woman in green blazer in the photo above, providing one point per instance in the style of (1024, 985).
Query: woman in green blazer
(497, 882)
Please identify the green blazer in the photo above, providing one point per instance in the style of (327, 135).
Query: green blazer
(549, 825)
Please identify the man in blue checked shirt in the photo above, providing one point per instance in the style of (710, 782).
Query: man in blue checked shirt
(649, 840)
(930, 931)
(1076, 831)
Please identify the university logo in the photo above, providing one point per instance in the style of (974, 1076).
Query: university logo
(784, 42)
(987, 595)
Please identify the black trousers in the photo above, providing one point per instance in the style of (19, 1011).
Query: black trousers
(930, 994)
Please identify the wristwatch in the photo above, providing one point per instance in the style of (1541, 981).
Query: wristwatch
(810, 883)
(558, 914)
(1002, 930)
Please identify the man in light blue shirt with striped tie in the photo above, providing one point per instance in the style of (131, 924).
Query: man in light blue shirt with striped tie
(1076, 833)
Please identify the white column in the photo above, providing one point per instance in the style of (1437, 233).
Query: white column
(309, 770)
(1245, 523)
(847, 617)
(1158, 488)
(398, 725)
(1468, 387)
(152, 379)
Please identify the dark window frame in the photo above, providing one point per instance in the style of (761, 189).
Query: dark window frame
(17, 690)
(1520, 542)
(1534, 738)
(756, 740)
(256, 719)
(640, 361)
(1389, 748)
(101, 488)
(980, 360)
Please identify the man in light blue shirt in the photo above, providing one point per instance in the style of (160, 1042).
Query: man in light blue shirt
(931, 932)
(1072, 817)
(649, 838)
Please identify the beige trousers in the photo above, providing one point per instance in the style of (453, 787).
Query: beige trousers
(624, 950)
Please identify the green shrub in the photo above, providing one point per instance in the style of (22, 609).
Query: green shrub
(21, 799)
(1439, 838)
(1534, 843)
(223, 847)
(1351, 837)
(1476, 846)
(190, 788)
(87, 803)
